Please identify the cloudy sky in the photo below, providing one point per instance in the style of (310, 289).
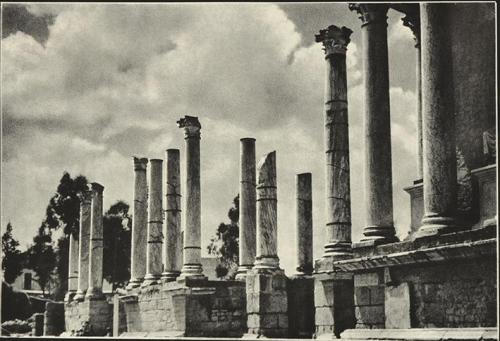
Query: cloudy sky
(86, 86)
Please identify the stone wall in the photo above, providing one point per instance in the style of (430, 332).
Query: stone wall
(88, 318)
(213, 308)
(369, 300)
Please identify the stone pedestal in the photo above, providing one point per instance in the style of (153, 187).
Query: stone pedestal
(155, 221)
(247, 218)
(139, 228)
(173, 233)
(192, 231)
(37, 329)
(93, 317)
(72, 267)
(377, 124)
(485, 179)
(96, 245)
(439, 158)
(338, 221)
(84, 244)
(304, 236)
(301, 310)
(53, 319)
(416, 193)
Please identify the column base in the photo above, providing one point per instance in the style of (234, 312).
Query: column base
(134, 283)
(79, 296)
(241, 274)
(191, 271)
(94, 294)
(69, 296)
(434, 225)
(338, 251)
(169, 276)
(267, 262)
(150, 279)
(380, 234)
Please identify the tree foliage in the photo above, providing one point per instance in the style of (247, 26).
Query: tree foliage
(117, 225)
(41, 256)
(13, 260)
(225, 243)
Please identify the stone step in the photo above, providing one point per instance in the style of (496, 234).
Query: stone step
(422, 334)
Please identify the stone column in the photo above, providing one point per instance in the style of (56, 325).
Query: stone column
(192, 230)
(304, 221)
(266, 283)
(247, 231)
(72, 266)
(155, 221)
(83, 247)
(412, 20)
(173, 232)
(139, 228)
(378, 161)
(96, 245)
(338, 193)
(439, 158)
(267, 218)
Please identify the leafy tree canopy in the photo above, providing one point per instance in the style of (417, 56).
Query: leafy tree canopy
(13, 258)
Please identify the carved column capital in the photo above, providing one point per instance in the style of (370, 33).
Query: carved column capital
(371, 13)
(191, 126)
(140, 163)
(412, 20)
(334, 39)
(97, 187)
(85, 196)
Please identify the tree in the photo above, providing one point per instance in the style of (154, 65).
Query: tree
(225, 243)
(117, 225)
(12, 261)
(41, 256)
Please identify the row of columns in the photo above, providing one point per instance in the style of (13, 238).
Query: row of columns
(85, 266)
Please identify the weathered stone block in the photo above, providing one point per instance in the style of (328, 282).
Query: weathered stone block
(367, 279)
(397, 307)
(377, 295)
(323, 293)
(362, 296)
(370, 314)
(324, 316)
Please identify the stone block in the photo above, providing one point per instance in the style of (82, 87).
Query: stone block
(323, 293)
(362, 296)
(377, 295)
(397, 307)
(370, 314)
(367, 279)
(283, 321)
(324, 316)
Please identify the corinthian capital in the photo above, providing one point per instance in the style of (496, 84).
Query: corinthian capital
(140, 163)
(85, 196)
(370, 13)
(334, 39)
(191, 126)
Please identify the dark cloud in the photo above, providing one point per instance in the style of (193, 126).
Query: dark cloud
(17, 18)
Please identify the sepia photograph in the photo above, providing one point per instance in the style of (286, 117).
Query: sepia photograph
(248, 170)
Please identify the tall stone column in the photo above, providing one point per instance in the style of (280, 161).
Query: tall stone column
(72, 266)
(439, 158)
(173, 232)
(304, 224)
(247, 231)
(412, 20)
(139, 228)
(192, 232)
(84, 243)
(377, 124)
(338, 200)
(266, 283)
(96, 244)
(155, 222)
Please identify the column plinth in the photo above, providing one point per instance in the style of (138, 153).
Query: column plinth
(439, 158)
(247, 217)
(84, 242)
(96, 245)
(155, 224)
(379, 226)
(173, 232)
(192, 232)
(304, 220)
(139, 227)
(338, 193)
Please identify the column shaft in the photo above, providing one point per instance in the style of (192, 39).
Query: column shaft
(155, 222)
(72, 266)
(304, 230)
(139, 227)
(338, 193)
(377, 125)
(192, 231)
(96, 245)
(84, 243)
(267, 222)
(420, 173)
(173, 232)
(247, 214)
(439, 158)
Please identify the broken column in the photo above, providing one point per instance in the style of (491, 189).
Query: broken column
(83, 248)
(155, 222)
(192, 232)
(247, 231)
(378, 158)
(266, 283)
(301, 284)
(173, 233)
(72, 266)
(96, 244)
(338, 223)
(439, 158)
(139, 228)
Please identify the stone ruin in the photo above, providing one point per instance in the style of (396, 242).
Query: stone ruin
(438, 283)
